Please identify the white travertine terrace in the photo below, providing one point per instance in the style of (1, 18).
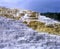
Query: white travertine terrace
(16, 35)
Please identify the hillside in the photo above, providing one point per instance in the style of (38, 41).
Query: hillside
(32, 19)
(16, 35)
(55, 16)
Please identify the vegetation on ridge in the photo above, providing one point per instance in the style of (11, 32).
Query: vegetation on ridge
(55, 16)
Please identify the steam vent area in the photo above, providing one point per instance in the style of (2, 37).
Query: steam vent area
(26, 29)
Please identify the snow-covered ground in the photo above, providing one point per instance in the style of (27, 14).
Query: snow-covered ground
(16, 35)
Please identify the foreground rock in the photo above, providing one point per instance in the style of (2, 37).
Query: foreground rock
(16, 35)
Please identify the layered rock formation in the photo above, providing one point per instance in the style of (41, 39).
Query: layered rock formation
(32, 19)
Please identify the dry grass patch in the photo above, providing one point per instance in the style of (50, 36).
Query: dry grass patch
(39, 26)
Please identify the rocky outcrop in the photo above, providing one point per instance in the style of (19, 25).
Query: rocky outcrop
(17, 13)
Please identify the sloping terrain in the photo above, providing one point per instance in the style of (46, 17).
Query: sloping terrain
(46, 25)
(16, 35)
(55, 15)
(32, 19)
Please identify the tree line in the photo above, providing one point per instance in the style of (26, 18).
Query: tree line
(55, 16)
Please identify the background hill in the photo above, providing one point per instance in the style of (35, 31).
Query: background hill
(52, 15)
